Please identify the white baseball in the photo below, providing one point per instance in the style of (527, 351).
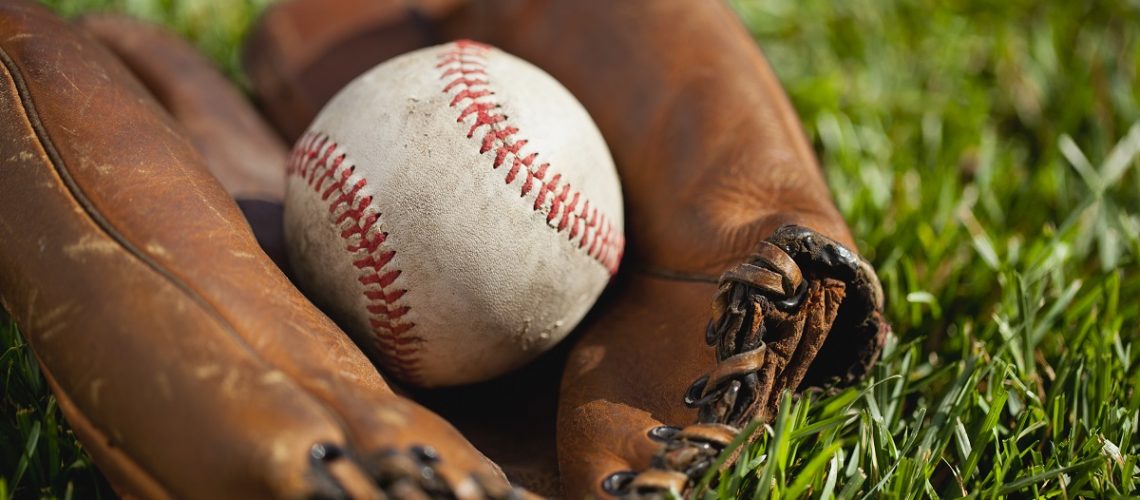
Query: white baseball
(456, 210)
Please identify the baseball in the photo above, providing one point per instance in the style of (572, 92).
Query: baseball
(456, 210)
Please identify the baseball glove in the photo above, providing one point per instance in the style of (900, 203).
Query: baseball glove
(726, 207)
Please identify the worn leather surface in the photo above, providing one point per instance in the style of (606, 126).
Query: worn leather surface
(242, 152)
(712, 159)
(186, 362)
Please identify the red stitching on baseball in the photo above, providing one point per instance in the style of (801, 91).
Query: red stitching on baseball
(464, 69)
(315, 160)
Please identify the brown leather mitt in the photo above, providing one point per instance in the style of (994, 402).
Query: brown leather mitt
(741, 280)
(183, 358)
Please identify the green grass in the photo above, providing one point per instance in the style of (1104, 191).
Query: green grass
(38, 454)
(217, 27)
(986, 156)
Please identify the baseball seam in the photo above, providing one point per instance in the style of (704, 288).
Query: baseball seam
(320, 163)
(463, 67)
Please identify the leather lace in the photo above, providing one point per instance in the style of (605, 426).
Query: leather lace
(407, 475)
